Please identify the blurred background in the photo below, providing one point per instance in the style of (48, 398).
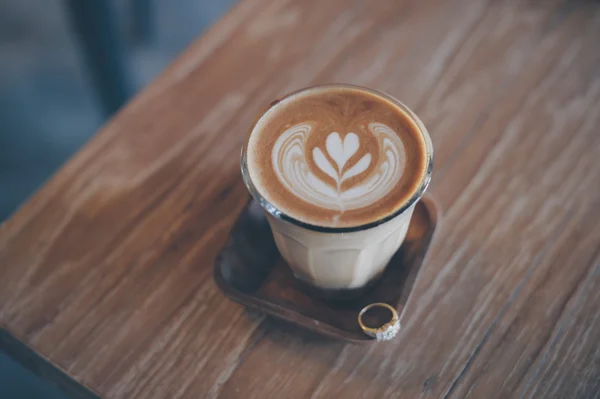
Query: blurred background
(65, 67)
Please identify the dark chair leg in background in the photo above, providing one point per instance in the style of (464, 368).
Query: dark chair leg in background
(142, 21)
(102, 46)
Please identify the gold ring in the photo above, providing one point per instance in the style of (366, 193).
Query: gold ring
(386, 331)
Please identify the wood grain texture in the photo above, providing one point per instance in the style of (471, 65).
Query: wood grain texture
(106, 271)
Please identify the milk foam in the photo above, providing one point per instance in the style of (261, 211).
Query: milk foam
(336, 156)
(291, 164)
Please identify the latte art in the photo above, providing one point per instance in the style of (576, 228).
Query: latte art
(336, 156)
(375, 174)
(340, 152)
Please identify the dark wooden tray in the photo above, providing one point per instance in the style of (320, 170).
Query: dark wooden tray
(250, 271)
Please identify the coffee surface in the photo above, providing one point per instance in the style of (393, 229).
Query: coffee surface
(336, 156)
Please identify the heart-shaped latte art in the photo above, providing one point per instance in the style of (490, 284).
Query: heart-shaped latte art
(340, 152)
(290, 163)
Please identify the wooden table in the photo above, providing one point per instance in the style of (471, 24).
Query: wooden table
(106, 271)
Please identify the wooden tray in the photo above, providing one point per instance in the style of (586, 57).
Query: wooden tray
(250, 271)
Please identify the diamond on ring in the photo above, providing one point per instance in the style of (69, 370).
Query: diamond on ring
(388, 331)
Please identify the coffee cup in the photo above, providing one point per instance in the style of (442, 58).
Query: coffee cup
(338, 170)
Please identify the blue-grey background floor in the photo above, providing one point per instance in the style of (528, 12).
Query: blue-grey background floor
(48, 108)
(17, 382)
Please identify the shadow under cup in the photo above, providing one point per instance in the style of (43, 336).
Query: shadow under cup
(340, 263)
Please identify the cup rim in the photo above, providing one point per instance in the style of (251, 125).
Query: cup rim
(278, 214)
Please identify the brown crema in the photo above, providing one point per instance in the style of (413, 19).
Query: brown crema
(323, 155)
